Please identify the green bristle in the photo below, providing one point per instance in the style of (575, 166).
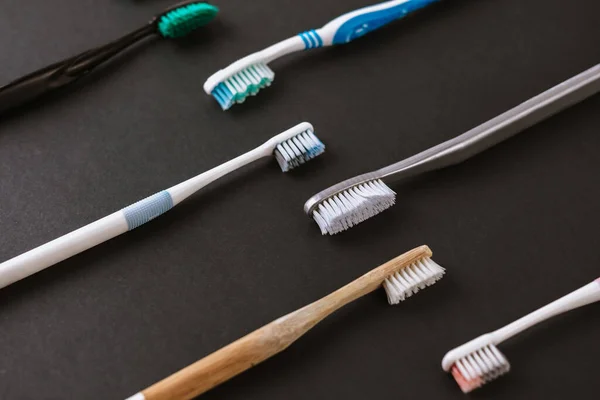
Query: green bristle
(183, 20)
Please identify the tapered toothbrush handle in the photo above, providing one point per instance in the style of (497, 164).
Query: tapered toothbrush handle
(122, 221)
(214, 369)
(63, 73)
(579, 298)
(238, 356)
(500, 128)
(84, 238)
(358, 23)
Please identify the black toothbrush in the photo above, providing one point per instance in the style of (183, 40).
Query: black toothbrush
(176, 21)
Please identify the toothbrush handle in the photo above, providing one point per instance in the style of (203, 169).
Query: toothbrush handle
(358, 23)
(63, 73)
(237, 357)
(500, 128)
(84, 238)
(588, 294)
(220, 366)
(124, 220)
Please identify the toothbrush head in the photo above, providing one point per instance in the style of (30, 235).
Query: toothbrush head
(183, 18)
(349, 203)
(408, 280)
(404, 275)
(475, 363)
(238, 81)
(296, 146)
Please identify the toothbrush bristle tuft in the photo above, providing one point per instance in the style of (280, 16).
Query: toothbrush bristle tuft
(182, 20)
(409, 280)
(298, 149)
(479, 368)
(247, 82)
(353, 206)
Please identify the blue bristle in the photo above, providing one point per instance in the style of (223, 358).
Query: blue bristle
(298, 149)
(246, 82)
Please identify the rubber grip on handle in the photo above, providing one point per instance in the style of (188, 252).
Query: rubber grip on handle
(362, 24)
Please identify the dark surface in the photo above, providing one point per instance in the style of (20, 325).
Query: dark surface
(516, 227)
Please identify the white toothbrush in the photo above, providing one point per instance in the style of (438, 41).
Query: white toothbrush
(250, 74)
(291, 148)
(479, 361)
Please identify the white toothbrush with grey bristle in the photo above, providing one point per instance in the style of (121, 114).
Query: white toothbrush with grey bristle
(290, 148)
(354, 200)
(479, 361)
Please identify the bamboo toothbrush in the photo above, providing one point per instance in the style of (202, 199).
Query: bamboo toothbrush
(355, 200)
(290, 148)
(400, 277)
(479, 361)
(176, 21)
(248, 75)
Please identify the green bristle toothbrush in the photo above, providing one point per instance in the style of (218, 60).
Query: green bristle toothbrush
(175, 22)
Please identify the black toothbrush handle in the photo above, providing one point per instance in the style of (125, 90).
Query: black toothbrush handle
(62, 73)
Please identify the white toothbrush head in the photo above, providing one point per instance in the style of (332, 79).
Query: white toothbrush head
(296, 146)
(475, 363)
(241, 79)
(407, 281)
(349, 203)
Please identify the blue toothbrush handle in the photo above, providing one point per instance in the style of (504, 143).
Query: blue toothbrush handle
(358, 23)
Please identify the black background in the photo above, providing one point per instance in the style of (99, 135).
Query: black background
(516, 227)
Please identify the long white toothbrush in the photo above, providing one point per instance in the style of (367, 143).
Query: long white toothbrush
(479, 361)
(250, 74)
(291, 148)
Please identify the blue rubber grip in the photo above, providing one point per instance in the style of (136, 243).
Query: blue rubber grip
(365, 23)
(311, 39)
(146, 210)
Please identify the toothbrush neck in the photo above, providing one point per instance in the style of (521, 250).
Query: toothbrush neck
(348, 293)
(281, 49)
(185, 189)
(579, 298)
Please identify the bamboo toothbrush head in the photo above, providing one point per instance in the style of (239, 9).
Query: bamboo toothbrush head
(401, 277)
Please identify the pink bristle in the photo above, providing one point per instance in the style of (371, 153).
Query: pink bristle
(466, 385)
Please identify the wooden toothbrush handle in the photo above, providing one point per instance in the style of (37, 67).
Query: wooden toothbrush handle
(225, 363)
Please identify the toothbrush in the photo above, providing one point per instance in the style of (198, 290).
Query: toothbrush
(355, 200)
(290, 148)
(177, 21)
(479, 361)
(250, 74)
(400, 277)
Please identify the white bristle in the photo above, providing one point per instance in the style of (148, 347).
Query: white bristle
(411, 279)
(479, 368)
(298, 149)
(353, 206)
(242, 84)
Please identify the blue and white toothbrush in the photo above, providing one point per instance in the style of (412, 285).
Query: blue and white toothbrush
(250, 74)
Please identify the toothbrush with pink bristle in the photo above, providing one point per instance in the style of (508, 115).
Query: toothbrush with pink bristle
(479, 361)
